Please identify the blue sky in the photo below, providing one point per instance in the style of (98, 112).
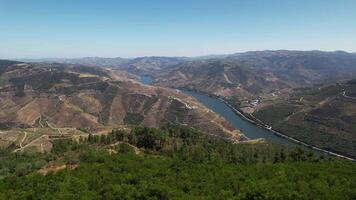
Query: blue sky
(78, 28)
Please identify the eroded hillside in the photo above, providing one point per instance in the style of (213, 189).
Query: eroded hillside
(89, 98)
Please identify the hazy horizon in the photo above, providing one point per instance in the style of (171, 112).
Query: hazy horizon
(215, 54)
(38, 29)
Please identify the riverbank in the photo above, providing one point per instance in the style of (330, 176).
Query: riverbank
(258, 123)
(269, 129)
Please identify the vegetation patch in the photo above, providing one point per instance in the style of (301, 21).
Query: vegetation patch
(177, 163)
(133, 118)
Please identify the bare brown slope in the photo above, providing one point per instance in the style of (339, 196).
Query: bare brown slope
(36, 95)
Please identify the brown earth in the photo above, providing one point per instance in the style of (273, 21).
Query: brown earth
(60, 96)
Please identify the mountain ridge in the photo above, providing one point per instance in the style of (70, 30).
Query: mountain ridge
(252, 73)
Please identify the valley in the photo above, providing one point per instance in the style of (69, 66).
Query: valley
(91, 100)
(264, 103)
(247, 75)
(178, 100)
(68, 119)
(252, 82)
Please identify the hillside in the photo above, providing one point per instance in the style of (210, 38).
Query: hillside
(324, 116)
(150, 65)
(176, 163)
(263, 83)
(241, 74)
(252, 73)
(88, 61)
(71, 97)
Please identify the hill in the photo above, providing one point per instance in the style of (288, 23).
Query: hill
(264, 84)
(88, 61)
(140, 65)
(324, 116)
(252, 73)
(60, 96)
(175, 163)
(61, 122)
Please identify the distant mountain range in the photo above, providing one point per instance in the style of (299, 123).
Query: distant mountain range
(241, 73)
(251, 73)
(139, 65)
(91, 61)
(267, 85)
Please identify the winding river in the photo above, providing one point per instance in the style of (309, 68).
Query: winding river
(250, 130)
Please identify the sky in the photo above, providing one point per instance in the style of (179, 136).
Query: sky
(114, 28)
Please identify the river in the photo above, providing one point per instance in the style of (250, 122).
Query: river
(249, 130)
(144, 79)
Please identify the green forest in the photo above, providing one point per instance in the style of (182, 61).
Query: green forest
(174, 163)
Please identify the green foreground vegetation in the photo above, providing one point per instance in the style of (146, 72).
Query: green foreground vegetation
(175, 163)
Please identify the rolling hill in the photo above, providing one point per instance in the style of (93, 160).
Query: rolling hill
(324, 116)
(254, 73)
(174, 163)
(259, 82)
(92, 99)
(267, 85)
(140, 65)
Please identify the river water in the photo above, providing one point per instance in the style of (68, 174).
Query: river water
(250, 130)
(147, 80)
